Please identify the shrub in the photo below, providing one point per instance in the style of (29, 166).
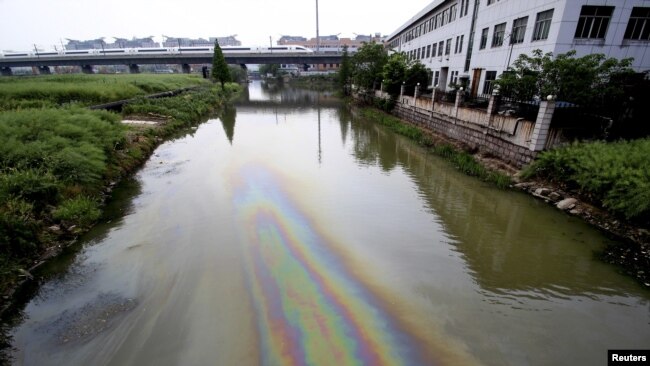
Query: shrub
(616, 174)
(81, 210)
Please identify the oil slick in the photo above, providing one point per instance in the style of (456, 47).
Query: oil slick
(310, 306)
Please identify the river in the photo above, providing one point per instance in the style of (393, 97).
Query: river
(286, 231)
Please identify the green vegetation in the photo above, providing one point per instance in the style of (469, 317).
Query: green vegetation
(400, 71)
(368, 64)
(58, 90)
(56, 157)
(220, 71)
(462, 160)
(588, 80)
(345, 73)
(616, 174)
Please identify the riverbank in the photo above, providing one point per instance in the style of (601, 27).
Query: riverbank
(632, 256)
(60, 161)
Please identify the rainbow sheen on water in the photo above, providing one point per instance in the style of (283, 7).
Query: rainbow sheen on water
(310, 308)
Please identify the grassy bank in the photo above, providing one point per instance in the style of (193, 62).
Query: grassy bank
(615, 175)
(54, 91)
(462, 160)
(57, 160)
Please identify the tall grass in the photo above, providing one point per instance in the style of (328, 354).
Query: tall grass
(616, 174)
(461, 160)
(56, 90)
(55, 156)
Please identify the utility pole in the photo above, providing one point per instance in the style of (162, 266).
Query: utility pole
(317, 36)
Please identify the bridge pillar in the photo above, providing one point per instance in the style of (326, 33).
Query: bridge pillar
(186, 68)
(134, 69)
(87, 69)
(44, 70)
(5, 71)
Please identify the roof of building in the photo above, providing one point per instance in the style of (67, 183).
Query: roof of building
(421, 14)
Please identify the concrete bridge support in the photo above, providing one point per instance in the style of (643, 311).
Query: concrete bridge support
(186, 68)
(134, 69)
(44, 70)
(5, 71)
(87, 69)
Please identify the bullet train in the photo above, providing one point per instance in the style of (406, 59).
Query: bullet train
(156, 51)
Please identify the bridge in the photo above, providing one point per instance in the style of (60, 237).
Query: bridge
(86, 62)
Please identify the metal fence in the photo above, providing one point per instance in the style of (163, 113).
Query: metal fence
(527, 110)
(480, 101)
(446, 96)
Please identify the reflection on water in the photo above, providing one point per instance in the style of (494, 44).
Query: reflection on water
(314, 237)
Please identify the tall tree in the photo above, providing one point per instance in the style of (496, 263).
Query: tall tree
(368, 64)
(220, 71)
(345, 72)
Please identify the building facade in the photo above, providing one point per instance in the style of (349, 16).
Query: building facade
(472, 42)
(331, 43)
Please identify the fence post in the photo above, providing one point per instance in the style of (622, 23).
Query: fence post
(416, 93)
(492, 105)
(542, 124)
(433, 99)
(458, 101)
(401, 92)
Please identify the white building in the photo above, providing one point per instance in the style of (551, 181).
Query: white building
(477, 40)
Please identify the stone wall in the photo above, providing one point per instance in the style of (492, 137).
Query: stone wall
(507, 138)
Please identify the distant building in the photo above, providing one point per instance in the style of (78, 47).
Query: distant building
(146, 42)
(99, 43)
(331, 43)
(473, 42)
(200, 42)
(74, 44)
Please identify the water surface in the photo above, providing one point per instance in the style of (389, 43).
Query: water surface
(289, 232)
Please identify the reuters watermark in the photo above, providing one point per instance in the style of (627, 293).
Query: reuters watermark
(628, 357)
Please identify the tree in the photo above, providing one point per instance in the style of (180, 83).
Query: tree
(589, 80)
(237, 73)
(368, 64)
(394, 73)
(345, 72)
(220, 71)
(400, 71)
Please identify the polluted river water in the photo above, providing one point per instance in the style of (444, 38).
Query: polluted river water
(287, 231)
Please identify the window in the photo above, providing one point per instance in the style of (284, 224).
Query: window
(497, 37)
(440, 47)
(488, 85)
(542, 25)
(518, 30)
(454, 78)
(433, 49)
(593, 21)
(423, 49)
(428, 51)
(436, 78)
(484, 37)
(448, 47)
(452, 12)
(464, 7)
(445, 17)
(639, 25)
(490, 2)
(418, 54)
(459, 44)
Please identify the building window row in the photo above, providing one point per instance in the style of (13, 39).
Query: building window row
(593, 21)
(438, 20)
(638, 28)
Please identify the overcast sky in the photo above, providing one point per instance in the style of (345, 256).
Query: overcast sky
(46, 23)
